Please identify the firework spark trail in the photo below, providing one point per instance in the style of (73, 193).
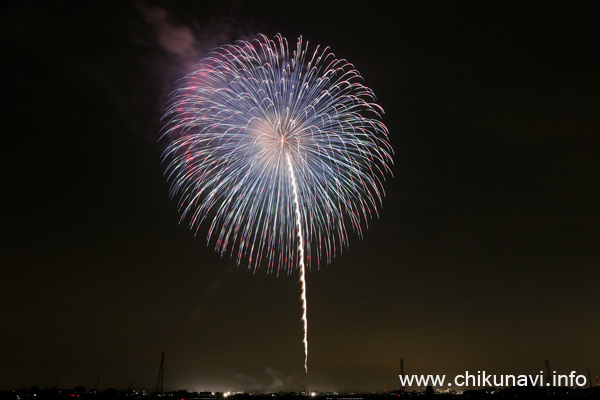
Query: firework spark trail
(282, 153)
(301, 262)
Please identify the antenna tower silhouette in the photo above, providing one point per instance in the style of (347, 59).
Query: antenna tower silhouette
(159, 381)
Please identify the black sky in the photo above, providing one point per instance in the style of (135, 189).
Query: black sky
(485, 255)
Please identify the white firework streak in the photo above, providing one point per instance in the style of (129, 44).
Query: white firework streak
(301, 255)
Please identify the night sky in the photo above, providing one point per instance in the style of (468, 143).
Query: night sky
(485, 255)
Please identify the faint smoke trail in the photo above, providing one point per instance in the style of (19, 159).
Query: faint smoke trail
(302, 268)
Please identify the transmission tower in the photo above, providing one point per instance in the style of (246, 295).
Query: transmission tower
(402, 367)
(159, 381)
(402, 371)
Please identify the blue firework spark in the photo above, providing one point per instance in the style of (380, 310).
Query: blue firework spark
(250, 115)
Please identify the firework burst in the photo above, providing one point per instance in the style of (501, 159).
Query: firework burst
(281, 153)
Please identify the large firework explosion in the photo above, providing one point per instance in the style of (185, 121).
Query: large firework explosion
(280, 152)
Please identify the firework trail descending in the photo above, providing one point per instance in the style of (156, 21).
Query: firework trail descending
(302, 268)
(280, 152)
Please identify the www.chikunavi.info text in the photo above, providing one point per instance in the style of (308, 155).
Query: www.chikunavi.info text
(483, 379)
